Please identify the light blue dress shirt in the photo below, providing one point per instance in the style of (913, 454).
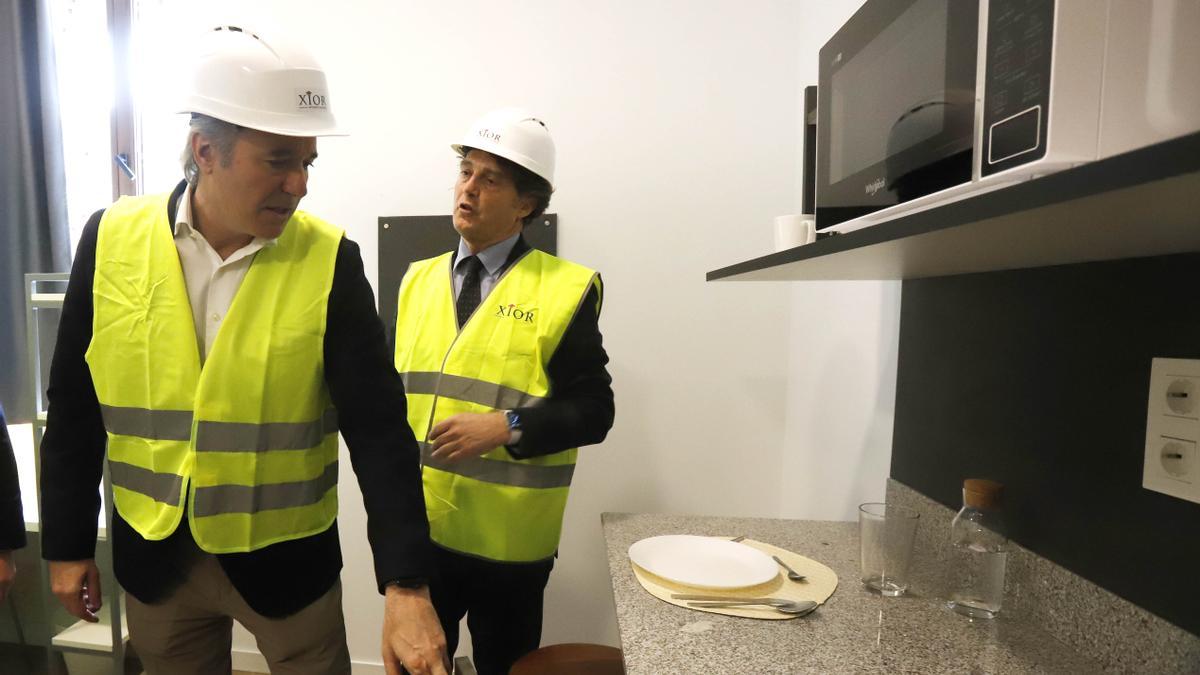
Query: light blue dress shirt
(492, 257)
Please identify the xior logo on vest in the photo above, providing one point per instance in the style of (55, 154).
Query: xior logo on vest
(309, 99)
(511, 310)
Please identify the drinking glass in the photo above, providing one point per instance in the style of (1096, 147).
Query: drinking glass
(887, 533)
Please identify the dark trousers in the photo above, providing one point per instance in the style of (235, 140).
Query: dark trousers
(502, 603)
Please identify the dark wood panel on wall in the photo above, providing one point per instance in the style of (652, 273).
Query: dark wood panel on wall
(1039, 378)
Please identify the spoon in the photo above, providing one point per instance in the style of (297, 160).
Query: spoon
(791, 573)
(797, 607)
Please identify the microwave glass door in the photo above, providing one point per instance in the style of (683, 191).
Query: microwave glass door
(896, 110)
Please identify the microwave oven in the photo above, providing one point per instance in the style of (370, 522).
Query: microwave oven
(922, 102)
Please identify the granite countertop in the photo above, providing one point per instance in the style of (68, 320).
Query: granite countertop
(854, 632)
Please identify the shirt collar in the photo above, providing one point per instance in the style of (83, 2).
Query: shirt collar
(183, 221)
(492, 257)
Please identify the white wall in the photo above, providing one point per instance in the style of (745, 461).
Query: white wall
(842, 368)
(841, 396)
(677, 128)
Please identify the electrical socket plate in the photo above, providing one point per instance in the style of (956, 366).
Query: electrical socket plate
(1172, 465)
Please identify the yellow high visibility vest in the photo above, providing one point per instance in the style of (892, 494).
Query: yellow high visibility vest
(494, 506)
(250, 438)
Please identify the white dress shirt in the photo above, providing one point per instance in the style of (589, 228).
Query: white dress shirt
(211, 282)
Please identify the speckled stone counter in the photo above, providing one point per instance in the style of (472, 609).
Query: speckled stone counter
(1115, 633)
(854, 632)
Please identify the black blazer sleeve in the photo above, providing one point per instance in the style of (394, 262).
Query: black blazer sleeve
(579, 410)
(372, 416)
(73, 448)
(12, 517)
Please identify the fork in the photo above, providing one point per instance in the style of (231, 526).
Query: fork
(791, 573)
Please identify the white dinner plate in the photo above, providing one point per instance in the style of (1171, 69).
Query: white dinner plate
(703, 562)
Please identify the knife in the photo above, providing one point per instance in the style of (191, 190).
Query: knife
(725, 598)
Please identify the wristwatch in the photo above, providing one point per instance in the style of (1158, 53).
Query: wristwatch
(514, 427)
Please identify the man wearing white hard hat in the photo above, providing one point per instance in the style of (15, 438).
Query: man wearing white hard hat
(505, 373)
(217, 339)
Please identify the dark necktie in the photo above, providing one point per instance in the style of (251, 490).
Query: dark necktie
(468, 297)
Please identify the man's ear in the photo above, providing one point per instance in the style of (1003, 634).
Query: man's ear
(526, 204)
(204, 153)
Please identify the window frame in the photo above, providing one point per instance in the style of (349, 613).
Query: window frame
(123, 115)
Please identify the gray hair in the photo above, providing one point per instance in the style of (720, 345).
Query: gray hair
(220, 133)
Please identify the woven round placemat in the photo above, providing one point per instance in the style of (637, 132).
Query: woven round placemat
(819, 584)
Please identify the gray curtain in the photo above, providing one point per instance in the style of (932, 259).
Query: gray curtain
(34, 236)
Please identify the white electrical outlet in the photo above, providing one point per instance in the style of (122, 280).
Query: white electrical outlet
(1173, 429)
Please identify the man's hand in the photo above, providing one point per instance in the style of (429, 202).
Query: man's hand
(76, 584)
(8, 572)
(412, 634)
(467, 435)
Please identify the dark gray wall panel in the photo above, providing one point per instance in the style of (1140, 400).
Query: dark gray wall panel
(1038, 378)
(404, 240)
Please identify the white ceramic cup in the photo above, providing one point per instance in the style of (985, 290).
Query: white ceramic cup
(794, 230)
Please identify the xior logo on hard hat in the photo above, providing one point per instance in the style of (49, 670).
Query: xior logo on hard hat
(310, 100)
(490, 135)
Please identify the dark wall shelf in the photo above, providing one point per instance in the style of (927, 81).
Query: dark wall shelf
(1142, 203)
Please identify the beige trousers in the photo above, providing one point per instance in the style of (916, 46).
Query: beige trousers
(191, 632)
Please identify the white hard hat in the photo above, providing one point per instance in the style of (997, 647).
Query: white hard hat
(515, 135)
(275, 87)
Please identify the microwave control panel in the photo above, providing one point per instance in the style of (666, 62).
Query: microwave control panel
(1017, 85)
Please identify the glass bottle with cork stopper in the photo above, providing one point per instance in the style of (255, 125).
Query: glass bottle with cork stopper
(979, 551)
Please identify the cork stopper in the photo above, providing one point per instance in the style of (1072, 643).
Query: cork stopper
(981, 493)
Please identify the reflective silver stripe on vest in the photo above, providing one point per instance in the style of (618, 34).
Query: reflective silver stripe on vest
(247, 437)
(468, 389)
(161, 487)
(501, 472)
(221, 499)
(159, 425)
